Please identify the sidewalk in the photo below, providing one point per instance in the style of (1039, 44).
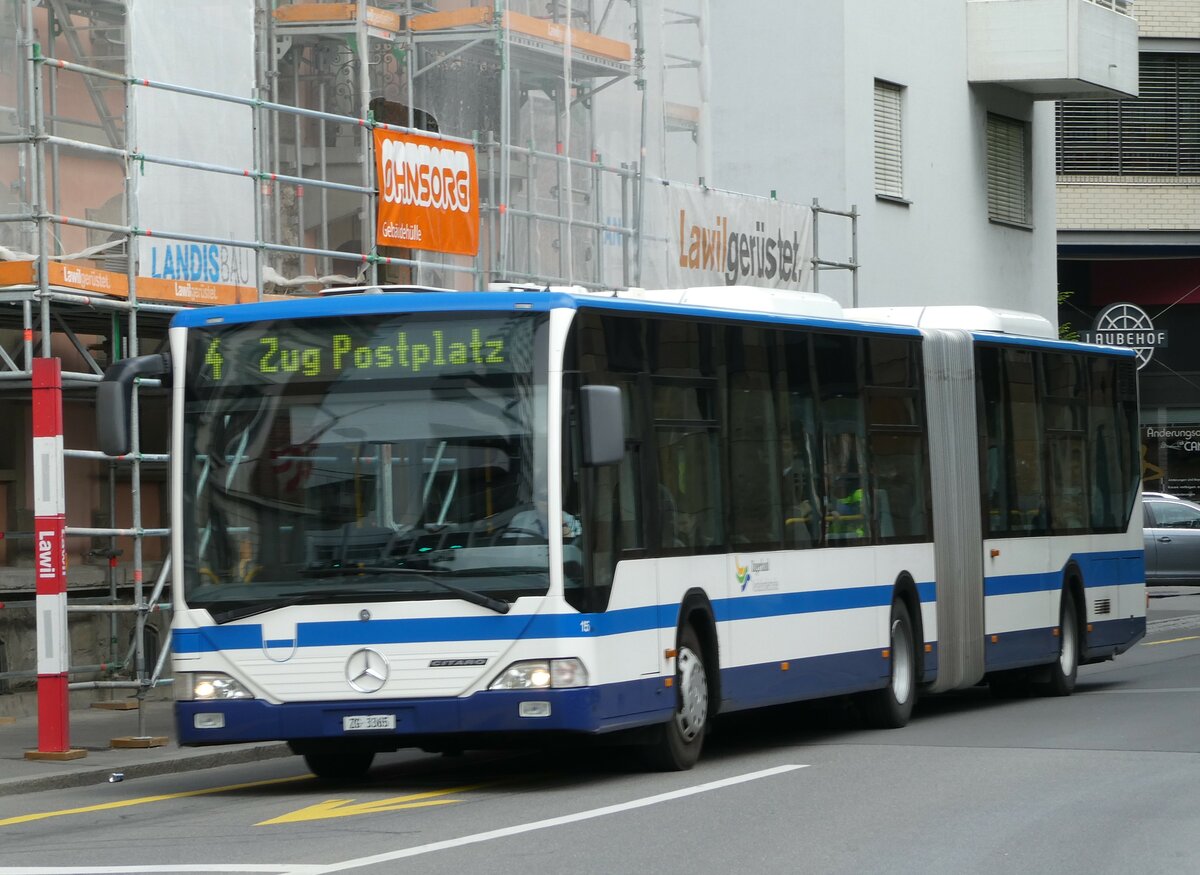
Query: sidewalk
(93, 730)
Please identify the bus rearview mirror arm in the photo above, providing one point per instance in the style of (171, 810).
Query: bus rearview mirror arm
(603, 421)
(114, 399)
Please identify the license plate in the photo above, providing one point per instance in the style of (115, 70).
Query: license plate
(360, 722)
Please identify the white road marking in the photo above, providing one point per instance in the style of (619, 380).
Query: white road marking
(375, 859)
(1140, 692)
(270, 868)
(645, 801)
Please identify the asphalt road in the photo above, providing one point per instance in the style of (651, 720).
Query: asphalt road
(1107, 780)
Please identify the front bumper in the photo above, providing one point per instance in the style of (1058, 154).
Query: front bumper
(583, 710)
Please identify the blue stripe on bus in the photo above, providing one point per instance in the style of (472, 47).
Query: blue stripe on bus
(496, 302)
(1013, 584)
(781, 604)
(512, 626)
(367, 305)
(1100, 569)
(1015, 340)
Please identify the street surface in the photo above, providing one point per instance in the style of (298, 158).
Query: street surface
(1104, 781)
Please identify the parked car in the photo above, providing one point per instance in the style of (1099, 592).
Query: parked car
(1171, 534)
(1161, 495)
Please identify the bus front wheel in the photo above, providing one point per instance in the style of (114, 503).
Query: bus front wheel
(890, 707)
(675, 745)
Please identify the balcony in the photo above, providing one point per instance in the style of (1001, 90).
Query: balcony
(1054, 49)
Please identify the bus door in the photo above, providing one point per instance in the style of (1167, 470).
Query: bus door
(608, 573)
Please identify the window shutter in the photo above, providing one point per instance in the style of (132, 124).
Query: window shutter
(1007, 174)
(889, 164)
(1155, 134)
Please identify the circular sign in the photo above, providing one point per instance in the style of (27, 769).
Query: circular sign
(1128, 325)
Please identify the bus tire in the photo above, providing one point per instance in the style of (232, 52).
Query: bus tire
(339, 766)
(1064, 670)
(891, 707)
(675, 745)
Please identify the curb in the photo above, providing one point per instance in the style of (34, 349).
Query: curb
(185, 763)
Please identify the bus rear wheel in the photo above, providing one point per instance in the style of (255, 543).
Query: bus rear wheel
(1064, 670)
(675, 745)
(891, 707)
(339, 766)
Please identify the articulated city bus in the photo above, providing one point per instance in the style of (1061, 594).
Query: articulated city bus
(451, 519)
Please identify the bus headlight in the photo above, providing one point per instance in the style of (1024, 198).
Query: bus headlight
(542, 674)
(210, 687)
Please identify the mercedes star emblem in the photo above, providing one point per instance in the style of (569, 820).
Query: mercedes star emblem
(367, 670)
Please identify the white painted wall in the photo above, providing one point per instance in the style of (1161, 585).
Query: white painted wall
(792, 103)
(165, 47)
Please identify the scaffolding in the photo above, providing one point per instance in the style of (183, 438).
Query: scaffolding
(95, 256)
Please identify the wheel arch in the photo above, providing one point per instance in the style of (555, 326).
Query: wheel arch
(905, 591)
(696, 610)
(1073, 583)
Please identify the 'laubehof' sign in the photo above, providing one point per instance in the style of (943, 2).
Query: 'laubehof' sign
(1127, 325)
(428, 193)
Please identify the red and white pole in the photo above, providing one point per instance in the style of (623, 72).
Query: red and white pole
(50, 550)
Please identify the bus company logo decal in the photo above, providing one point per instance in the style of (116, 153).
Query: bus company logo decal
(1130, 326)
(743, 573)
(366, 670)
(454, 663)
(753, 571)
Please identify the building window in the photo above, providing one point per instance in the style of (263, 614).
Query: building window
(1008, 170)
(889, 154)
(1154, 134)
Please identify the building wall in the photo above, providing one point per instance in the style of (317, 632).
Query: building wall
(1167, 18)
(809, 133)
(1112, 253)
(1129, 203)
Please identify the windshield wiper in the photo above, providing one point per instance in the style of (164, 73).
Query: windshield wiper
(252, 608)
(467, 595)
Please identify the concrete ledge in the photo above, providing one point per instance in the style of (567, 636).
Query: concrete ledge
(189, 760)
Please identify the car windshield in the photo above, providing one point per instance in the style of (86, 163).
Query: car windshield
(364, 459)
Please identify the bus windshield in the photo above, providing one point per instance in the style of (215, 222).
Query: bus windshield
(365, 458)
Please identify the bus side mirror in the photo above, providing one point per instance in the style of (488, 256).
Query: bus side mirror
(603, 421)
(114, 399)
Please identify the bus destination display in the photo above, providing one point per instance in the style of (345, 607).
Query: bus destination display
(332, 349)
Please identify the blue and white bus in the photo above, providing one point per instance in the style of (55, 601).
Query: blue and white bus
(453, 519)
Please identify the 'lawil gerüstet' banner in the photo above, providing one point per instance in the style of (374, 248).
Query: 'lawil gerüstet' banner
(721, 238)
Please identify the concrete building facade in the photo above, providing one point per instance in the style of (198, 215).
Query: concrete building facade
(1128, 213)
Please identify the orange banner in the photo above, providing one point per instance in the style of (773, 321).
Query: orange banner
(428, 193)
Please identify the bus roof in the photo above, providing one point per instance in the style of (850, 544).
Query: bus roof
(968, 317)
(769, 305)
(753, 302)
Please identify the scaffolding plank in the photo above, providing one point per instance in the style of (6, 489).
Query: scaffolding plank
(116, 285)
(17, 273)
(313, 13)
(551, 31)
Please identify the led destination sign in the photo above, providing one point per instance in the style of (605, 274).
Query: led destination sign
(322, 350)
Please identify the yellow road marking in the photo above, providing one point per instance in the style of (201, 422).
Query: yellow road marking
(1170, 641)
(348, 808)
(146, 800)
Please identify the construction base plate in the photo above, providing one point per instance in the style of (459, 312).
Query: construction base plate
(56, 755)
(129, 741)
